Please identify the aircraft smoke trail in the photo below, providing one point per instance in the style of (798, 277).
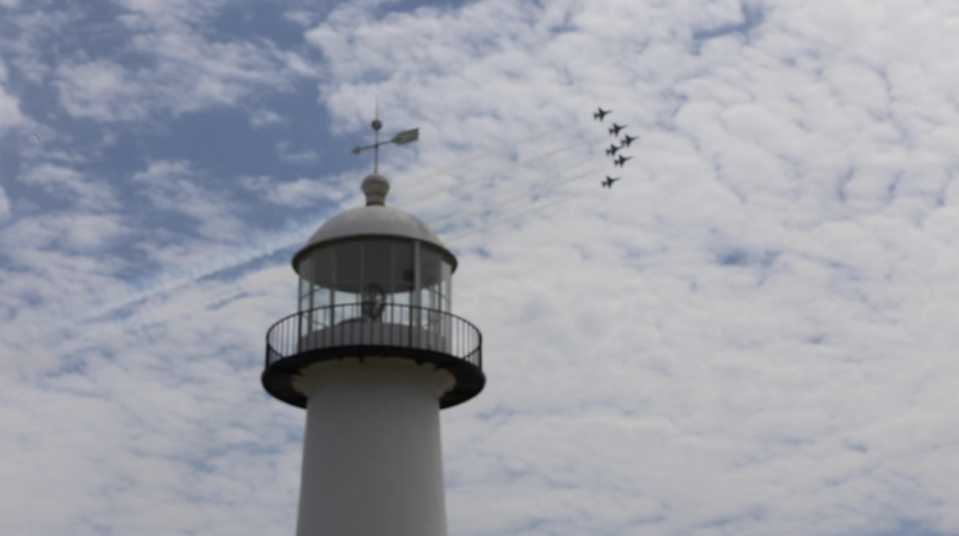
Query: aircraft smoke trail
(268, 244)
(511, 218)
(457, 217)
(416, 181)
(487, 176)
(140, 321)
(289, 236)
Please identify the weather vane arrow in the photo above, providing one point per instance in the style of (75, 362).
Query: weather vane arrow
(402, 138)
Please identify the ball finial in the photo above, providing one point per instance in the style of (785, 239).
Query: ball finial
(375, 186)
(377, 125)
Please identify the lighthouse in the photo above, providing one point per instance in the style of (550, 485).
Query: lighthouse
(373, 354)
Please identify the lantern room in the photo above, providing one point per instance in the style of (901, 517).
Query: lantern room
(374, 280)
(374, 256)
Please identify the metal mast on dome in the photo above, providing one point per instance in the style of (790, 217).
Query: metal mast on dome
(407, 136)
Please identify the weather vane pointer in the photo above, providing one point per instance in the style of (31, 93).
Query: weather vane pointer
(402, 138)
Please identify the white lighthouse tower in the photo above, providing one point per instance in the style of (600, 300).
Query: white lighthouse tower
(373, 354)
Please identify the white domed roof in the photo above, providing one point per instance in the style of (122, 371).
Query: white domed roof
(373, 220)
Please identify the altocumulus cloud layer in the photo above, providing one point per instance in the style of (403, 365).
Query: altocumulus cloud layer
(752, 333)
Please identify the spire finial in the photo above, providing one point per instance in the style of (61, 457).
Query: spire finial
(402, 138)
(375, 186)
(377, 125)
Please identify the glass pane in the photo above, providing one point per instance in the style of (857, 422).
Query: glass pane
(320, 318)
(402, 267)
(317, 267)
(321, 297)
(305, 289)
(447, 287)
(349, 267)
(346, 306)
(431, 267)
(377, 263)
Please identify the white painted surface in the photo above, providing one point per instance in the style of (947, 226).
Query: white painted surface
(374, 220)
(372, 458)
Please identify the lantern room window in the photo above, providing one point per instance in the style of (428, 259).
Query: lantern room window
(374, 273)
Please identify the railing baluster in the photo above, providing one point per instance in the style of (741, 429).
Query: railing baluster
(400, 325)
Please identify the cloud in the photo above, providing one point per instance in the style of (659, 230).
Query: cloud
(295, 157)
(4, 205)
(297, 193)
(66, 183)
(183, 73)
(100, 90)
(79, 232)
(171, 186)
(753, 255)
(10, 114)
(302, 17)
(262, 118)
(752, 333)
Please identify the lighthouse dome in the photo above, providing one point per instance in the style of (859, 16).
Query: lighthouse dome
(373, 220)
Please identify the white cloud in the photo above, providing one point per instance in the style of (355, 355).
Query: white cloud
(4, 205)
(189, 72)
(67, 183)
(262, 118)
(297, 193)
(714, 319)
(101, 90)
(302, 17)
(79, 232)
(295, 157)
(751, 333)
(10, 114)
(170, 185)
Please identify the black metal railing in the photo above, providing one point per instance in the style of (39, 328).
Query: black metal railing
(374, 325)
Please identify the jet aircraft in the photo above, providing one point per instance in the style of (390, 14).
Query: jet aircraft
(621, 160)
(612, 149)
(614, 130)
(608, 183)
(600, 114)
(627, 140)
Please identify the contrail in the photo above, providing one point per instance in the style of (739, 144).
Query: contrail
(290, 236)
(287, 237)
(525, 195)
(510, 218)
(413, 183)
(487, 176)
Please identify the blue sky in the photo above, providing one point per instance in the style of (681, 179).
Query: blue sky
(752, 333)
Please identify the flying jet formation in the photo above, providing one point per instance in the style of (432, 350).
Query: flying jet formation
(608, 183)
(613, 148)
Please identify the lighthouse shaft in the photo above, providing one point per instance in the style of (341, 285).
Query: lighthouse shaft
(372, 458)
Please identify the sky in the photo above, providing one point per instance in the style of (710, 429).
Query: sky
(753, 332)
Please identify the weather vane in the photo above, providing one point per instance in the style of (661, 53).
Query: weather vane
(407, 136)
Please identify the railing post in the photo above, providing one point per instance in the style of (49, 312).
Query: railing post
(454, 336)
